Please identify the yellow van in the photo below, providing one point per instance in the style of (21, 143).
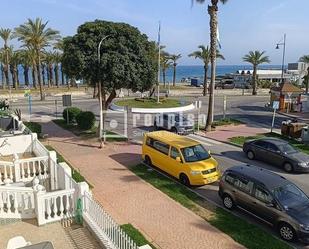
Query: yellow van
(181, 157)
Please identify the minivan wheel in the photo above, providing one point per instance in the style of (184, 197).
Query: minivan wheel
(148, 161)
(287, 232)
(184, 180)
(250, 154)
(288, 167)
(174, 130)
(228, 202)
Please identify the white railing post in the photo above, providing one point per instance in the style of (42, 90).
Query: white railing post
(39, 201)
(64, 176)
(52, 162)
(17, 167)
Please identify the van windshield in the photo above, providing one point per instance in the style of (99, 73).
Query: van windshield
(195, 153)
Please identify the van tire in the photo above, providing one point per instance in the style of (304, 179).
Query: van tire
(148, 161)
(183, 178)
(228, 202)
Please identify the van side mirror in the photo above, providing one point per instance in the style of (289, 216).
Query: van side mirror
(178, 159)
(208, 152)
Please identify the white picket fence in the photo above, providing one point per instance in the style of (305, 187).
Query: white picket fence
(108, 231)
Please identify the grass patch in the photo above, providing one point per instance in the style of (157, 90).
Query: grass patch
(226, 121)
(88, 134)
(245, 233)
(34, 127)
(135, 235)
(148, 103)
(302, 147)
(75, 174)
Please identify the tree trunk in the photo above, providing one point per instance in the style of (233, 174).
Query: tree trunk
(13, 76)
(56, 69)
(62, 76)
(39, 76)
(26, 75)
(7, 78)
(254, 92)
(212, 11)
(2, 76)
(164, 76)
(174, 75)
(205, 80)
(307, 81)
(34, 75)
(51, 77)
(95, 87)
(17, 76)
(43, 74)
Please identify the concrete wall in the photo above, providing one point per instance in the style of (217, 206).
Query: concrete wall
(16, 144)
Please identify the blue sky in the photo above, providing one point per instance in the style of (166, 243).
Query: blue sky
(244, 24)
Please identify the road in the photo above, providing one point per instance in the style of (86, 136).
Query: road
(249, 109)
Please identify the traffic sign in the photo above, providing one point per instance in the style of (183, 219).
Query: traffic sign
(276, 105)
(67, 100)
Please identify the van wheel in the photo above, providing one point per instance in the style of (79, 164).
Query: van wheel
(288, 167)
(148, 161)
(250, 155)
(286, 232)
(184, 180)
(228, 202)
(174, 130)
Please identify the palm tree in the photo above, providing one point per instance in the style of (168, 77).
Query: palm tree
(14, 62)
(255, 58)
(174, 58)
(49, 60)
(305, 59)
(204, 55)
(59, 48)
(35, 33)
(6, 35)
(165, 64)
(57, 61)
(213, 13)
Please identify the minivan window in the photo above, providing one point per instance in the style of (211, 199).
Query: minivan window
(291, 197)
(244, 185)
(229, 178)
(160, 146)
(195, 153)
(174, 153)
(262, 195)
(149, 141)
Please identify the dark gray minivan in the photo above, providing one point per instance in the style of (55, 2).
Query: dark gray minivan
(268, 196)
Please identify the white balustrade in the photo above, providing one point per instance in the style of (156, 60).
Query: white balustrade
(55, 206)
(16, 202)
(32, 167)
(6, 172)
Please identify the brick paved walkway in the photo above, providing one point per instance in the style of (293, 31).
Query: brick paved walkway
(129, 199)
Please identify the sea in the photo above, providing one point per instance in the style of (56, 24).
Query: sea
(183, 72)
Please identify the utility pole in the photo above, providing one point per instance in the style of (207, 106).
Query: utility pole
(159, 64)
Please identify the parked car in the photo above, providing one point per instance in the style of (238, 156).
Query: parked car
(268, 196)
(225, 84)
(277, 152)
(174, 122)
(181, 157)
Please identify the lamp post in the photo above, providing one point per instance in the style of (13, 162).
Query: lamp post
(283, 55)
(102, 126)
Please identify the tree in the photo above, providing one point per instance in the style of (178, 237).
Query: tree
(26, 61)
(174, 58)
(213, 13)
(204, 55)
(165, 64)
(34, 33)
(126, 58)
(57, 61)
(49, 60)
(255, 58)
(59, 49)
(14, 62)
(6, 35)
(305, 59)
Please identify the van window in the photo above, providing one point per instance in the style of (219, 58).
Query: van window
(229, 178)
(262, 195)
(174, 153)
(149, 141)
(160, 146)
(244, 185)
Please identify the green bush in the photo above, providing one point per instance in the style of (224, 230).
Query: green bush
(85, 120)
(72, 112)
(34, 127)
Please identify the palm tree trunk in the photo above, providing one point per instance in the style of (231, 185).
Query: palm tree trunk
(13, 76)
(7, 78)
(34, 75)
(205, 80)
(164, 76)
(51, 78)
(43, 74)
(26, 75)
(62, 76)
(307, 81)
(174, 75)
(2, 76)
(212, 11)
(56, 69)
(254, 92)
(39, 76)
(16, 71)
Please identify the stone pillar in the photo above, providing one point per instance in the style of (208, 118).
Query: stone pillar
(52, 163)
(39, 203)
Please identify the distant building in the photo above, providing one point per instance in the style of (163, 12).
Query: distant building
(298, 70)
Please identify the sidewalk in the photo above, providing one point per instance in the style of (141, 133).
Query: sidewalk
(129, 199)
(223, 133)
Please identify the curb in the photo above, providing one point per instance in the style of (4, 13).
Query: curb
(293, 116)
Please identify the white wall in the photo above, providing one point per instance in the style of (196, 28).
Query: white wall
(16, 144)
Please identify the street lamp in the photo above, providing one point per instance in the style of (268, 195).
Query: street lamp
(102, 126)
(283, 55)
